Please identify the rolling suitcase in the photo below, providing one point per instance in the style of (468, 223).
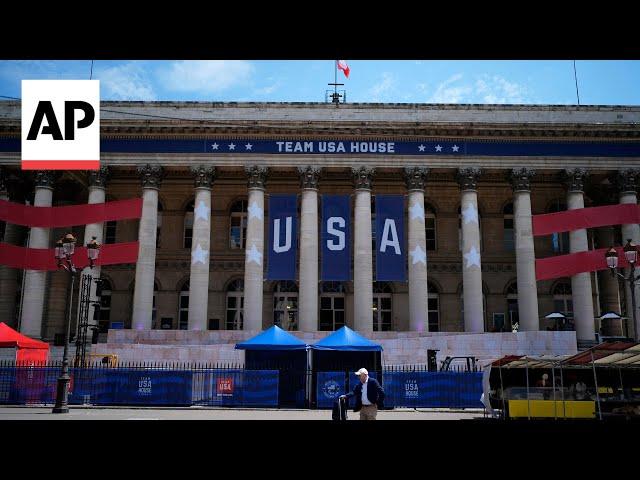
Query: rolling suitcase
(339, 413)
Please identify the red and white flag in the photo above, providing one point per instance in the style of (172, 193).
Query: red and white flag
(342, 65)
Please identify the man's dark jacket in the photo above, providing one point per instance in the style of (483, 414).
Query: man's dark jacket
(375, 394)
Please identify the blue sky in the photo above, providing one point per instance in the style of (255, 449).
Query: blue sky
(600, 82)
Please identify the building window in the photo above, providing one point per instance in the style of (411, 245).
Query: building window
(562, 299)
(238, 225)
(433, 308)
(285, 305)
(430, 227)
(183, 309)
(512, 306)
(460, 229)
(105, 307)
(235, 305)
(153, 307)
(188, 226)
(381, 307)
(332, 306)
(159, 219)
(3, 227)
(110, 232)
(559, 241)
(508, 234)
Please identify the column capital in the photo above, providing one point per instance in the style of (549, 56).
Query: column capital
(627, 180)
(520, 179)
(203, 176)
(309, 176)
(45, 178)
(415, 177)
(575, 178)
(150, 175)
(256, 176)
(99, 178)
(4, 180)
(468, 177)
(363, 177)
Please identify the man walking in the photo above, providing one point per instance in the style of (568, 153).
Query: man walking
(369, 396)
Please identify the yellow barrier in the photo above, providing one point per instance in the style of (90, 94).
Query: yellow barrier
(547, 409)
(106, 359)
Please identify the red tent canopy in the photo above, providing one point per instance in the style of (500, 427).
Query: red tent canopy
(10, 338)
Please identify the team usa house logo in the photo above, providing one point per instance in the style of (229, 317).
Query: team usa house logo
(60, 124)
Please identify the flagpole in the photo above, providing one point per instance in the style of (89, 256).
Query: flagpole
(335, 81)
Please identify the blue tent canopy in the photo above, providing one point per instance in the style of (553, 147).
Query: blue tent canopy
(272, 339)
(346, 339)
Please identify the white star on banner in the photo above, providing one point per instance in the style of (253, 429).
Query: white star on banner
(418, 255)
(248, 146)
(255, 211)
(232, 146)
(470, 214)
(214, 146)
(472, 257)
(199, 255)
(455, 148)
(201, 211)
(421, 148)
(417, 212)
(254, 255)
(438, 148)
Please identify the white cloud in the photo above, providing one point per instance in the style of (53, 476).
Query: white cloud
(205, 76)
(383, 88)
(486, 89)
(446, 93)
(125, 82)
(269, 89)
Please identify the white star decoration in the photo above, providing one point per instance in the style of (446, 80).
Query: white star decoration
(418, 255)
(248, 146)
(470, 214)
(199, 255)
(201, 211)
(214, 146)
(438, 148)
(421, 148)
(417, 212)
(455, 148)
(255, 211)
(254, 255)
(472, 257)
(232, 146)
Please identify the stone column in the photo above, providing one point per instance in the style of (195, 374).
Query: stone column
(8, 276)
(254, 249)
(627, 181)
(525, 255)
(35, 281)
(97, 194)
(609, 290)
(471, 267)
(415, 178)
(151, 178)
(362, 260)
(580, 283)
(308, 288)
(200, 247)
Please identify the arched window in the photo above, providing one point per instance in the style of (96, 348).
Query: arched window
(381, 307)
(559, 241)
(188, 226)
(562, 298)
(285, 305)
(331, 306)
(460, 228)
(508, 230)
(512, 305)
(235, 305)
(433, 307)
(105, 307)
(183, 307)
(430, 227)
(159, 226)
(238, 225)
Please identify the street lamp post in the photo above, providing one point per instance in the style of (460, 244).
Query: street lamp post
(64, 250)
(631, 255)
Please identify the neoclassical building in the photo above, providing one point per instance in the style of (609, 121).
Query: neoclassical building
(472, 177)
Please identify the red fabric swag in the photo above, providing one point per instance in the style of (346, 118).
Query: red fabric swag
(591, 217)
(568, 265)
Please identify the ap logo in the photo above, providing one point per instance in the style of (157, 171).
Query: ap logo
(60, 124)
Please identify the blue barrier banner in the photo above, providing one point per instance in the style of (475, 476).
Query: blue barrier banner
(240, 387)
(330, 385)
(336, 238)
(433, 389)
(283, 237)
(391, 257)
